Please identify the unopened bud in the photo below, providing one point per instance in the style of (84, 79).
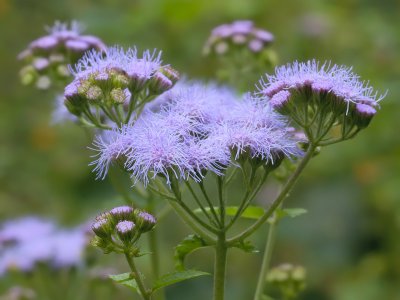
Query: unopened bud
(144, 221)
(94, 93)
(160, 83)
(122, 213)
(120, 96)
(126, 231)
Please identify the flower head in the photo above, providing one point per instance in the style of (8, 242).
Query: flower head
(329, 92)
(241, 33)
(49, 55)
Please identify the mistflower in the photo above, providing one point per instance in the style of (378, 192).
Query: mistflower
(254, 130)
(194, 130)
(238, 34)
(115, 77)
(48, 56)
(333, 95)
(126, 231)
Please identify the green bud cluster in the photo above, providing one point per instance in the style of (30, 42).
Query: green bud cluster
(119, 229)
(290, 279)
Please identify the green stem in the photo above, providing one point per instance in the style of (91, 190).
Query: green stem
(155, 261)
(283, 194)
(145, 294)
(186, 218)
(266, 261)
(210, 204)
(221, 250)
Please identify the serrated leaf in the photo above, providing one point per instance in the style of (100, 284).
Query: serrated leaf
(176, 277)
(246, 246)
(127, 280)
(187, 246)
(251, 212)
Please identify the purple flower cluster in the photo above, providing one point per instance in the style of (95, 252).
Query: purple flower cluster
(339, 81)
(49, 55)
(27, 241)
(112, 76)
(237, 34)
(195, 129)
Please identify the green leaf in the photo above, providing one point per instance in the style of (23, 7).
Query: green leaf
(246, 246)
(290, 212)
(187, 246)
(175, 277)
(127, 280)
(251, 212)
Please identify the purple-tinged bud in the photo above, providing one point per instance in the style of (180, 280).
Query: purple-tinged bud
(122, 213)
(120, 96)
(363, 114)
(40, 63)
(44, 43)
(102, 228)
(170, 73)
(77, 45)
(93, 41)
(126, 231)
(144, 221)
(160, 83)
(255, 45)
(280, 100)
(263, 35)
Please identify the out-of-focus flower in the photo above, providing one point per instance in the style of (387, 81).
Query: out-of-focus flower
(239, 34)
(27, 241)
(47, 57)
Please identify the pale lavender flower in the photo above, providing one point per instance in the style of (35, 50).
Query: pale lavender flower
(255, 129)
(27, 241)
(68, 247)
(337, 80)
(138, 68)
(194, 130)
(236, 35)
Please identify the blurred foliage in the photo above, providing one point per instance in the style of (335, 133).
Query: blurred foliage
(349, 240)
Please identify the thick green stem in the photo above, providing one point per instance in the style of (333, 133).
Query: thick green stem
(283, 194)
(221, 250)
(145, 294)
(266, 261)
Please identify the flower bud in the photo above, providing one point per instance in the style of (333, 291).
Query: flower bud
(170, 73)
(120, 96)
(102, 226)
(94, 93)
(126, 231)
(363, 114)
(144, 221)
(122, 213)
(160, 83)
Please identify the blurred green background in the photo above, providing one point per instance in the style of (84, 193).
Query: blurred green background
(348, 240)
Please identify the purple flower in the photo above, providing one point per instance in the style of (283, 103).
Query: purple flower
(115, 58)
(193, 130)
(236, 35)
(255, 129)
(27, 241)
(339, 81)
